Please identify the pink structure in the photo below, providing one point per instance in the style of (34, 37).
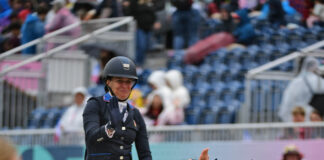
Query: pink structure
(26, 77)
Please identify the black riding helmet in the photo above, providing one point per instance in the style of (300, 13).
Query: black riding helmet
(119, 66)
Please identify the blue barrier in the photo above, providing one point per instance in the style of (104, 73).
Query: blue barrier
(243, 150)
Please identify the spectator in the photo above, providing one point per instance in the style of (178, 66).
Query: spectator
(289, 14)
(298, 114)
(84, 10)
(234, 4)
(317, 14)
(213, 8)
(227, 24)
(16, 5)
(315, 116)
(302, 6)
(63, 17)
(180, 95)
(26, 10)
(144, 13)
(316, 132)
(12, 38)
(136, 97)
(292, 16)
(5, 12)
(185, 24)
(238, 24)
(244, 31)
(108, 8)
(8, 150)
(4, 45)
(291, 153)
(5, 9)
(276, 13)
(33, 28)
(299, 90)
(154, 108)
(71, 120)
(158, 101)
(161, 25)
(248, 4)
(103, 57)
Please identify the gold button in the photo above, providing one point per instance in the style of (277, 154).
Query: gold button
(121, 157)
(121, 147)
(123, 128)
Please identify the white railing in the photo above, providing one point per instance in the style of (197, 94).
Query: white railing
(64, 74)
(56, 33)
(67, 45)
(39, 40)
(261, 104)
(185, 133)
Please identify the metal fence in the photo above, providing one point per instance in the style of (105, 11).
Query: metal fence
(49, 76)
(65, 72)
(17, 102)
(264, 87)
(171, 134)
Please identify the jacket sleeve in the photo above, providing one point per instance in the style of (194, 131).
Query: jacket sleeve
(39, 29)
(64, 120)
(141, 141)
(91, 123)
(55, 23)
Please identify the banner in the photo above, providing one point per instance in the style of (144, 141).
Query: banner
(244, 150)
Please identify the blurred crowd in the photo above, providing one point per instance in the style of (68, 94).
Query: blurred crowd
(174, 24)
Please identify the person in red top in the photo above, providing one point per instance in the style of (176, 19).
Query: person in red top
(302, 6)
(214, 7)
(27, 9)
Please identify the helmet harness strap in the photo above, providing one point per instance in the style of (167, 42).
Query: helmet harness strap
(108, 89)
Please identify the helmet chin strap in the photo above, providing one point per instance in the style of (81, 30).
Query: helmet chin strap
(113, 94)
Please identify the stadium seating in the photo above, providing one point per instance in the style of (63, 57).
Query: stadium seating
(217, 84)
(45, 117)
(220, 77)
(52, 117)
(36, 117)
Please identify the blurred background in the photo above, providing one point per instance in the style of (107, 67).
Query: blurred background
(241, 77)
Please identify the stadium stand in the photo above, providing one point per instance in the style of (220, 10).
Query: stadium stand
(220, 90)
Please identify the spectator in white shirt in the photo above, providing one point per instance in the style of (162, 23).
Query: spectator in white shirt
(71, 120)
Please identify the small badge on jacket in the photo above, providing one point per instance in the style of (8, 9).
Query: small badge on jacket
(100, 139)
(135, 124)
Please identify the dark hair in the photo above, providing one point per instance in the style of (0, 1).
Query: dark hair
(14, 14)
(14, 25)
(41, 10)
(218, 3)
(315, 111)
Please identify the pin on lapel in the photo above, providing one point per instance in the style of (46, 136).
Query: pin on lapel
(134, 123)
(100, 139)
